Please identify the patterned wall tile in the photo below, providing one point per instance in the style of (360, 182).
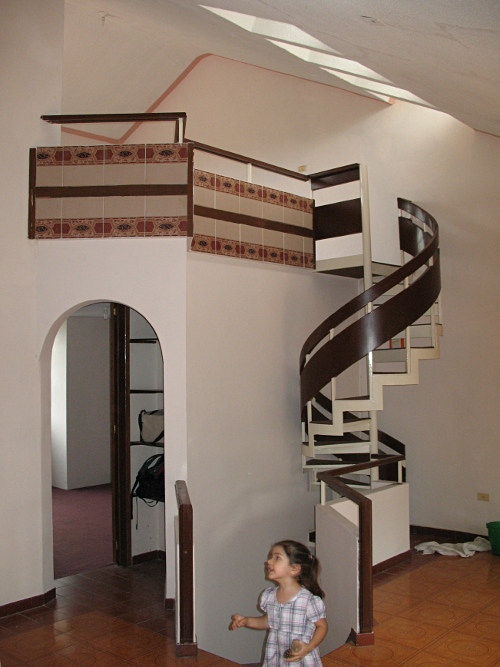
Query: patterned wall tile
(202, 243)
(84, 228)
(48, 156)
(228, 247)
(48, 229)
(126, 154)
(274, 255)
(294, 258)
(172, 226)
(125, 227)
(156, 153)
(204, 179)
(251, 191)
(228, 185)
(252, 251)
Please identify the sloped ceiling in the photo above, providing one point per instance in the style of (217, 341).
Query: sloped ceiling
(121, 55)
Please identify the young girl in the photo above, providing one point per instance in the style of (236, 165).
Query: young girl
(293, 610)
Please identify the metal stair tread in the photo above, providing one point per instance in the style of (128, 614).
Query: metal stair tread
(325, 462)
(346, 439)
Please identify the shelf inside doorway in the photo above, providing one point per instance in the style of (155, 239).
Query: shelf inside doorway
(146, 391)
(146, 444)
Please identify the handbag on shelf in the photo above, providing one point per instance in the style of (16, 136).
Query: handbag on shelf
(150, 481)
(151, 426)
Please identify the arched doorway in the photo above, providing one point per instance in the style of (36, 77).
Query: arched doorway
(106, 367)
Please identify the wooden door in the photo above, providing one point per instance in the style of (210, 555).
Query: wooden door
(120, 433)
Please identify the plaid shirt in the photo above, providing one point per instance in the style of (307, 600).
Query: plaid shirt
(294, 620)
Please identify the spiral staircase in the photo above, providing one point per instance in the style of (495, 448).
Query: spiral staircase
(382, 334)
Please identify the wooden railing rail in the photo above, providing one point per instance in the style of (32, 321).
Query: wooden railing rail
(331, 479)
(186, 640)
(70, 119)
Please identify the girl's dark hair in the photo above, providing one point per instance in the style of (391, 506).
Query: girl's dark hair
(299, 554)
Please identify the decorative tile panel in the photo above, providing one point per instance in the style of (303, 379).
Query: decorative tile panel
(246, 241)
(111, 216)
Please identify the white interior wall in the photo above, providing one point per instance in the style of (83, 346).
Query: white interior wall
(88, 401)
(246, 326)
(390, 519)
(337, 550)
(71, 274)
(59, 430)
(31, 39)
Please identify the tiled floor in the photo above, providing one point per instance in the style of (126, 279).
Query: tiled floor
(433, 611)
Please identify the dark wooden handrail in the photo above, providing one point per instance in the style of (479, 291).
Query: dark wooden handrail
(69, 119)
(162, 116)
(381, 324)
(186, 567)
(331, 479)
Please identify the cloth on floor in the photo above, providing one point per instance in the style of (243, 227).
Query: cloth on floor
(464, 549)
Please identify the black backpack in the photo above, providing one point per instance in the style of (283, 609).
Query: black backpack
(150, 481)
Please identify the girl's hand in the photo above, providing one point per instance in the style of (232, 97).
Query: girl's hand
(298, 654)
(238, 621)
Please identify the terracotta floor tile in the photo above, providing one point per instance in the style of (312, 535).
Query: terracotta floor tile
(379, 618)
(414, 587)
(130, 643)
(481, 580)
(409, 633)
(332, 662)
(481, 625)
(470, 650)
(425, 659)
(18, 623)
(465, 598)
(35, 643)
(391, 603)
(381, 654)
(91, 625)
(8, 661)
(86, 655)
(493, 608)
(443, 615)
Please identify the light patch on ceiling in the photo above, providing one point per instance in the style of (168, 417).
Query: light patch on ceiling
(382, 88)
(308, 48)
(268, 28)
(332, 62)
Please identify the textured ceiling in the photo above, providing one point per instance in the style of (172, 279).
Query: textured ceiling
(121, 55)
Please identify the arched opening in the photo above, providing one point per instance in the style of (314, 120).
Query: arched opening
(106, 368)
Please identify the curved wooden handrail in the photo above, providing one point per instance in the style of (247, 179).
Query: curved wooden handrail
(381, 324)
